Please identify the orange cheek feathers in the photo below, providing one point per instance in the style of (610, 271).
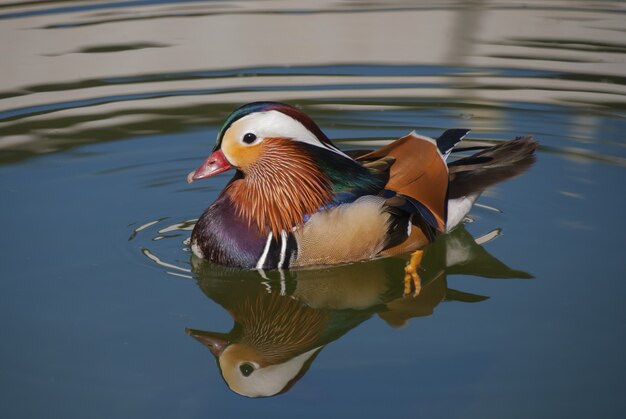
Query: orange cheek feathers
(239, 155)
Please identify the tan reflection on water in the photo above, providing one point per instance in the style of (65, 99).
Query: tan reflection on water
(283, 320)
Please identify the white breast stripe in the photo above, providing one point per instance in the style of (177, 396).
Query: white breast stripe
(283, 249)
(261, 262)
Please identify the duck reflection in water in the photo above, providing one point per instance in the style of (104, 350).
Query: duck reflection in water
(283, 319)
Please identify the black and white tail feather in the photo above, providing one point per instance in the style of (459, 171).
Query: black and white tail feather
(471, 175)
(449, 139)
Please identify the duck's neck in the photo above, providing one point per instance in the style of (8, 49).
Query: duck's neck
(280, 189)
(279, 327)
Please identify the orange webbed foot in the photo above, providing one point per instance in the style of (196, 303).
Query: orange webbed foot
(412, 278)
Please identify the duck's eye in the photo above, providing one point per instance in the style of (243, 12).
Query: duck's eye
(246, 369)
(249, 138)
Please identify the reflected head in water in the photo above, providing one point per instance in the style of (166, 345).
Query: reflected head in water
(282, 320)
(273, 343)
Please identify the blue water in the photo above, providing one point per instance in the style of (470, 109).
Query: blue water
(97, 286)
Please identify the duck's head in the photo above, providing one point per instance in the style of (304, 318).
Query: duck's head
(282, 160)
(272, 344)
(262, 132)
(249, 372)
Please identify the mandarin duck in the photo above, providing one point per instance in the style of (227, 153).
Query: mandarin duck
(284, 320)
(297, 200)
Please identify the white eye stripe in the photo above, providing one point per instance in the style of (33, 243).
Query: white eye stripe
(275, 124)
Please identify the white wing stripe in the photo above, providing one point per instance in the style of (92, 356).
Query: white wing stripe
(261, 262)
(283, 249)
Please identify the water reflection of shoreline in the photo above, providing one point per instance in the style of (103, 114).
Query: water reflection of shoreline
(91, 68)
(282, 320)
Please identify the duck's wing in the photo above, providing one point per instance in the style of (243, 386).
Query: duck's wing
(419, 174)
